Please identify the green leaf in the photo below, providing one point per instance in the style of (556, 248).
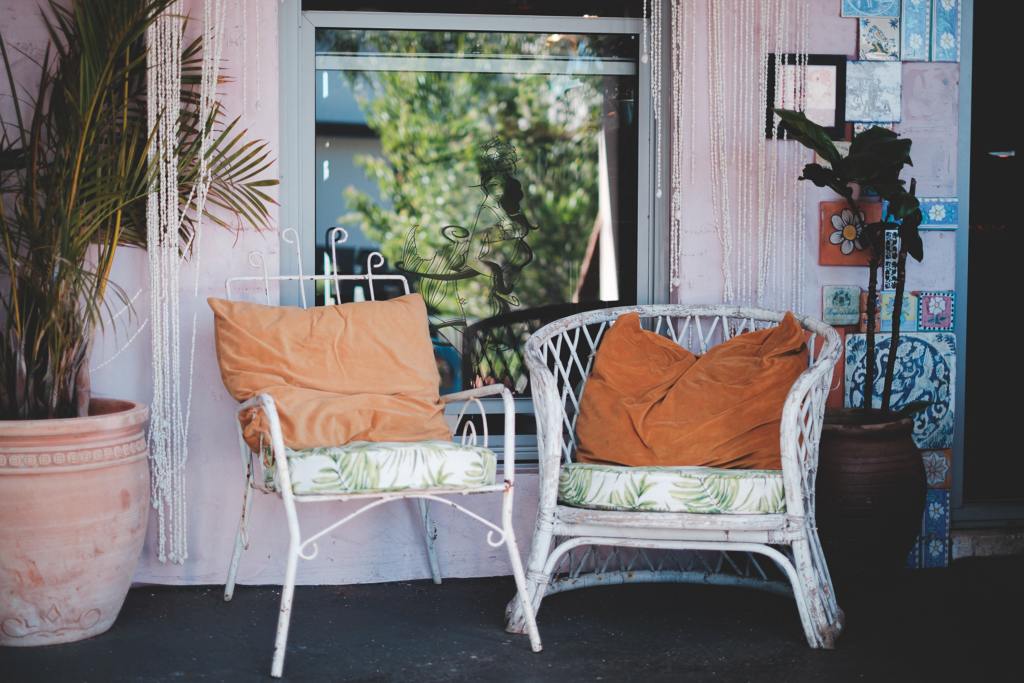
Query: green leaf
(810, 135)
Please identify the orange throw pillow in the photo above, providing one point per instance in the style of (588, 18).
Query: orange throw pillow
(651, 402)
(353, 372)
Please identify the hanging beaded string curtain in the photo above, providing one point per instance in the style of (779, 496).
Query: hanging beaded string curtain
(758, 207)
(172, 383)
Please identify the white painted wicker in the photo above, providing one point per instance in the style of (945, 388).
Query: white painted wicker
(577, 548)
(498, 534)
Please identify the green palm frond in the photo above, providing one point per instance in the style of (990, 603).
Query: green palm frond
(631, 496)
(74, 174)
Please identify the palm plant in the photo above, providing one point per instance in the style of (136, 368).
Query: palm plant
(874, 163)
(74, 178)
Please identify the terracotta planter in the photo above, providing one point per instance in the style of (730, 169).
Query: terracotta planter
(74, 502)
(870, 491)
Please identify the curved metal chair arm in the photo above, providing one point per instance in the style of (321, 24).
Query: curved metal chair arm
(509, 407)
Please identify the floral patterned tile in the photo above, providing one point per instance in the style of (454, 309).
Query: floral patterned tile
(940, 213)
(934, 551)
(936, 513)
(938, 468)
(936, 310)
(879, 38)
(840, 243)
(926, 371)
(916, 30)
(945, 30)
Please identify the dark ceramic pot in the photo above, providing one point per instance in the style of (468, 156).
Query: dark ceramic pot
(870, 491)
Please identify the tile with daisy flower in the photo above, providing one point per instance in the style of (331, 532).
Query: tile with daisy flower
(916, 30)
(841, 241)
(940, 213)
(945, 30)
(935, 310)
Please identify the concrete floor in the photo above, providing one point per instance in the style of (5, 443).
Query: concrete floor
(962, 623)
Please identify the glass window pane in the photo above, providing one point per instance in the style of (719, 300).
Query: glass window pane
(498, 171)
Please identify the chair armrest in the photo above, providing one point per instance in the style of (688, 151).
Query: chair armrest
(265, 402)
(509, 406)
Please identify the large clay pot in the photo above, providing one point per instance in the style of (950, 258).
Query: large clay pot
(870, 491)
(74, 502)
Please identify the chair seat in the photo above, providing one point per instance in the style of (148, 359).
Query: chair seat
(702, 490)
(370, 467)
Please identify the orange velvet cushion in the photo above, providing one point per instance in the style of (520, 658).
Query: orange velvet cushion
(651, 402)
(353, 372)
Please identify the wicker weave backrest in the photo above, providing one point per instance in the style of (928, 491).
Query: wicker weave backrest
(560, 355)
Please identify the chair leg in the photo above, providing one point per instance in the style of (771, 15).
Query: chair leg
(832, 611)
(241, 541)
(524, 603)
(284, 618)
(430, 536)
(536, 579)
(821, 631)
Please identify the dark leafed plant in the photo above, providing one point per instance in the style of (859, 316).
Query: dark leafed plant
(74, 178)
(876, 158)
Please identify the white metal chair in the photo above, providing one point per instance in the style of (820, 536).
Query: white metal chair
(597, 525)
(277, 478)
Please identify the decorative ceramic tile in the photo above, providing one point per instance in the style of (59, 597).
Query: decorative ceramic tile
(916, 31)
(940, 213)
(925, 371)
(890, 259)
(945, 30)
(840, 304)
(938, 468)
(840, 243)
(871, 8)
(908, 314)
(873, 91)
(936, 310)
(859, 128)
(934, 551)
(879, 38)
(936, 513)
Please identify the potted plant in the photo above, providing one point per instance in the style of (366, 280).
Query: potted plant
(871, 483)
(74, 177)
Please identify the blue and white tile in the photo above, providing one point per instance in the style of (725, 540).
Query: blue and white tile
(879, 38)
(914, 559)
(891, 257)
(934, 551)
(871, 8)
(940, 213)
(873, 91)
(926, 371)
(945, 30)
(859, 128)
(936, 513)
(840, 304)
(916, 30)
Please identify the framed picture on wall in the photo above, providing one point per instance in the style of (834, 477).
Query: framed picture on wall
(826, 92)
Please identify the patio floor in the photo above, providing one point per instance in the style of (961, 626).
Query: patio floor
(936, 625)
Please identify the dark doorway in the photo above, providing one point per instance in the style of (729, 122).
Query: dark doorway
(993, 466)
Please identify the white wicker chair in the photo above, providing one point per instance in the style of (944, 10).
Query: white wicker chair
(576, 547)
(278, 479)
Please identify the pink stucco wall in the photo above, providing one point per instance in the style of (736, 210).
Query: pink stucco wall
(386, 544)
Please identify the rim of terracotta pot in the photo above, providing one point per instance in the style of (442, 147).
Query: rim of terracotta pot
(104, 414)
(862, 421)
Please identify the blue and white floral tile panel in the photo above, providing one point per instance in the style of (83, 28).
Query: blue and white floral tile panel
(925, 371)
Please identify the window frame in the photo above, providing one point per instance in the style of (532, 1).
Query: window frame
(297, 83)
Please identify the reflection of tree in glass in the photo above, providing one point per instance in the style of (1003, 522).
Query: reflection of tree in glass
(431, 126)
(492, 247)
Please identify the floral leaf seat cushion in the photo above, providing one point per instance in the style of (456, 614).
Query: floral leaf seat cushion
(377, 467)
(699, 490)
